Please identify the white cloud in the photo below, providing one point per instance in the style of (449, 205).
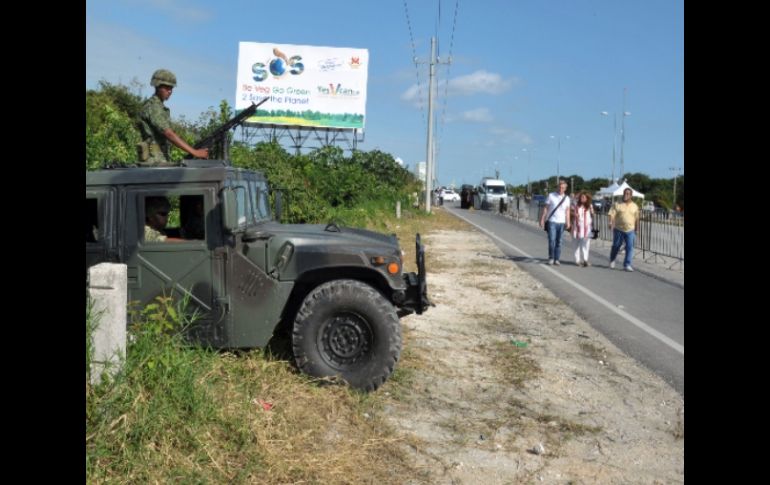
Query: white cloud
(509, 135)
(119, 55)
(414, 94)
(479, 82)
(478, 115)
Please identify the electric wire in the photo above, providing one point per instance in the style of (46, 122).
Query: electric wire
(440, 130)
(414, 61)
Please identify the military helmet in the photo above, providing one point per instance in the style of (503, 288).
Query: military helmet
(163, 77)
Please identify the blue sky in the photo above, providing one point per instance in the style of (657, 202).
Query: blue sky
(521, 72)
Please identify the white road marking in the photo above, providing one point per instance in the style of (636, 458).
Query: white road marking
(621, 313)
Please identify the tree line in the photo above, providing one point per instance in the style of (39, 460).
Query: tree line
(659, 190)
(322, 185)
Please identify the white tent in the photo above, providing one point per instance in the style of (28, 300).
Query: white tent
(607, 191)
(617, 190)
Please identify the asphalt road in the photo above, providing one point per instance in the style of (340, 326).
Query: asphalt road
(640, 312)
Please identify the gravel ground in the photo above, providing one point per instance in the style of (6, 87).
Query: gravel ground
(507, 384)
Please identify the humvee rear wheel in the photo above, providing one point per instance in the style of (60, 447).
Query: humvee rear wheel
(346, 328)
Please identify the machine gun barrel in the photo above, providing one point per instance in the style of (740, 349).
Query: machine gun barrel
(231, 123)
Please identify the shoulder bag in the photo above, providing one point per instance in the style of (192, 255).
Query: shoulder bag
(545, 226)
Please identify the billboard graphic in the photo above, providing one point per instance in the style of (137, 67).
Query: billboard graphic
(305, 85)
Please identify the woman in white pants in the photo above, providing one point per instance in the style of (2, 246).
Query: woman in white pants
(581, 228)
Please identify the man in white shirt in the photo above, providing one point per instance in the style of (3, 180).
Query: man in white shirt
(556, 215)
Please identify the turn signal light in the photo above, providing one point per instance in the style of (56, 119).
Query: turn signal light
(393, 268)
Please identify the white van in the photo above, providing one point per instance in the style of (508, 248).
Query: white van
(490, 192)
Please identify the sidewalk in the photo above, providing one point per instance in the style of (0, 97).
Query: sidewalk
(663, 268)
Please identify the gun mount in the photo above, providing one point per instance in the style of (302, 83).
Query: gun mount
(218, 142)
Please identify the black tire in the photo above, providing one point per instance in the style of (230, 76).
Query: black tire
(346, 328)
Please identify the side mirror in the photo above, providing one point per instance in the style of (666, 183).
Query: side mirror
(278, 205)
(229, 210)
(252, 235)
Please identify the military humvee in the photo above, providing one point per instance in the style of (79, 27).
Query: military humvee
(339, 291)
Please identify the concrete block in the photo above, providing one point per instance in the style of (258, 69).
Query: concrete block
(108, 290)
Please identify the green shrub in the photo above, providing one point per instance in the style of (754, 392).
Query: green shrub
(321, 186)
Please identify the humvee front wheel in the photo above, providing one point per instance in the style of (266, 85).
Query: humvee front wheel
(346, 328)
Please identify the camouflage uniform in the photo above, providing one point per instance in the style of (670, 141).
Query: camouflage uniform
(155, 118)
(153, 235)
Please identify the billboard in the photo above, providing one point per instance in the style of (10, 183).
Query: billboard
(305, 85)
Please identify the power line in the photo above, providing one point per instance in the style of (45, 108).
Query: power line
(446, 82)
(414, 59)
(437, 29)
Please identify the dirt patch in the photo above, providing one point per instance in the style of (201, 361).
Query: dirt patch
(502, 382)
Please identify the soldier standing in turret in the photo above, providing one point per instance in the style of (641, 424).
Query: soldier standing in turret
(155, 125)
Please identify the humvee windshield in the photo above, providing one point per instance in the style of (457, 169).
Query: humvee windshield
(253, 202)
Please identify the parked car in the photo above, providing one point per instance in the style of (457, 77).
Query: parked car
(648, 206)
(449, 195)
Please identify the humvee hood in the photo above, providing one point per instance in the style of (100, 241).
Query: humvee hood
(323, 231)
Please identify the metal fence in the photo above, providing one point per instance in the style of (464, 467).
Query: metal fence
(660, 235)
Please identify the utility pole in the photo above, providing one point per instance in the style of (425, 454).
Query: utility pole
(558, 161)
(529, 162)
(429, 159)
(558, 156)
(676, 174)
(614, 140)
(623, 131)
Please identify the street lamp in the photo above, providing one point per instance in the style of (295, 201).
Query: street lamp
(558, 156)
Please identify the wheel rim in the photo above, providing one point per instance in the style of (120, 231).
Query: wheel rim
(346, 339)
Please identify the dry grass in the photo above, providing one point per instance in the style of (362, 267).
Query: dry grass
(412, 223)
(271, 425)
(593, 352)
(678, 431)
(514, 363)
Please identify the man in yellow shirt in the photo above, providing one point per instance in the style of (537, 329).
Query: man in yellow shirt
(624, 221)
